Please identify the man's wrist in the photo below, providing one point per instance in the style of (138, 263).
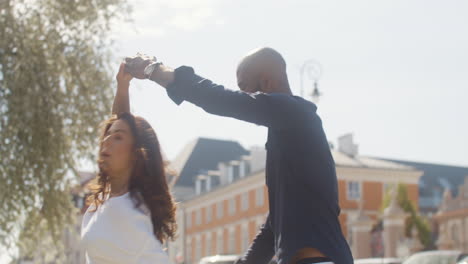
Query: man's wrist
(150, 69)
(162, 75)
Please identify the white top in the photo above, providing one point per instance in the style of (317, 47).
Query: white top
(120, 233)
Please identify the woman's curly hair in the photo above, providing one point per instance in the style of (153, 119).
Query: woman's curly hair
(148, 183)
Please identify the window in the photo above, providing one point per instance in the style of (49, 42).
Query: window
(188, 250)
(232, 242)
(245, 238)
(198, 249)
(208, 213)
(232, 205)
(259, 197)
(219, 243)
(235, 172)
(208, 245)
(219, 210)
(455, 234)
(354, 190)
(189, 219)
(244, 168)
(198, 217)
(245, 201)
(80, 202)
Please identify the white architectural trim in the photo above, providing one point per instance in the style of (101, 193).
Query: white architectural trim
(226, 192)
(378, 175)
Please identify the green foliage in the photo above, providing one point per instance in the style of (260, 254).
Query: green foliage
(414, 219)
(55, 88)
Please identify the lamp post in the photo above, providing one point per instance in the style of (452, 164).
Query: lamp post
(313, 69)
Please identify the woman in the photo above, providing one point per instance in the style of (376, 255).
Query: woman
(131, 212)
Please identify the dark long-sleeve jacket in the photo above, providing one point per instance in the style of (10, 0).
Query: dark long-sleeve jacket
(300, 170)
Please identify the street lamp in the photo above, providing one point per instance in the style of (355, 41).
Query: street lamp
(313, 69)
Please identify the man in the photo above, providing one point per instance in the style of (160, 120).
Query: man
(302, 225)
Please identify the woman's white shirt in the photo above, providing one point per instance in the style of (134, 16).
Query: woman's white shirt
(117, 232)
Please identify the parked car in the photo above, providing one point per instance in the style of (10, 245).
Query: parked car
(378, 261)
(463, 260)
(435, 257)
(219, 259)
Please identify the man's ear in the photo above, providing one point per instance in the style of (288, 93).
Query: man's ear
(264, 85)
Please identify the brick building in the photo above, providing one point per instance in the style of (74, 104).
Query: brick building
(230, 202)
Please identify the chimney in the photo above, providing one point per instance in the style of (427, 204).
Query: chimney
(347, 146)
(257, 159)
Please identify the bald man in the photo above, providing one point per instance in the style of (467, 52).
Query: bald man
(302, 226)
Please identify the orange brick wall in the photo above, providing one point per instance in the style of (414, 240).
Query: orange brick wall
(371, 192)
(251, 211)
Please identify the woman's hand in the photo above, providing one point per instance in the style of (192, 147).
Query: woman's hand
(123, 77)
(136, 65)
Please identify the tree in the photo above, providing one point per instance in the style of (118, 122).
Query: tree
(55, 89)
(414, 220)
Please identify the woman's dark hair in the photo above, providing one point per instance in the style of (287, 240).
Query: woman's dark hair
(147, 184)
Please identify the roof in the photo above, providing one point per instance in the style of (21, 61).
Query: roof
(343, 160)
(436, 179)
(203, 154)
(437, 176)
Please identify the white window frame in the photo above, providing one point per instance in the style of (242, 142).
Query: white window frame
(353, 190)
(260, 197)
(220, 242)
(198, 249)
(232, 241)
(232, 205)
(244, 201)
(189, 220)
(188, 250)
(209, 213)
(220, 210)
(245, 238)
(208, 244)
(198, 217)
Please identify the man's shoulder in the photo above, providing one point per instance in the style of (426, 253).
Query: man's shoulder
(289, 100)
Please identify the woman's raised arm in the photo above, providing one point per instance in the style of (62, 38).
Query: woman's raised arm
(121, 100)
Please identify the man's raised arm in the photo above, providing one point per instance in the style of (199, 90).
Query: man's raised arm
(272, 110)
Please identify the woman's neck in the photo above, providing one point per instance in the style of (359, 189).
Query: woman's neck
(119, 183)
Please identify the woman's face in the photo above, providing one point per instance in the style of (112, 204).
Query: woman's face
(116, 153)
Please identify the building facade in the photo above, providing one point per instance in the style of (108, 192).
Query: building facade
(231, 203)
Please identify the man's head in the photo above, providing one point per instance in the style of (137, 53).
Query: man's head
(263, 70)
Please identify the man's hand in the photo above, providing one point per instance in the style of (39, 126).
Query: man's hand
(123, 77)
(136, 65)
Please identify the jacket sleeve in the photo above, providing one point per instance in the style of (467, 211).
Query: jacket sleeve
(262, 248)
(280, 111)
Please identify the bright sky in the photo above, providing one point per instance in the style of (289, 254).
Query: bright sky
(395, 73)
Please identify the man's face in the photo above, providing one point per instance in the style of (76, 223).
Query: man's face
(245, 80)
